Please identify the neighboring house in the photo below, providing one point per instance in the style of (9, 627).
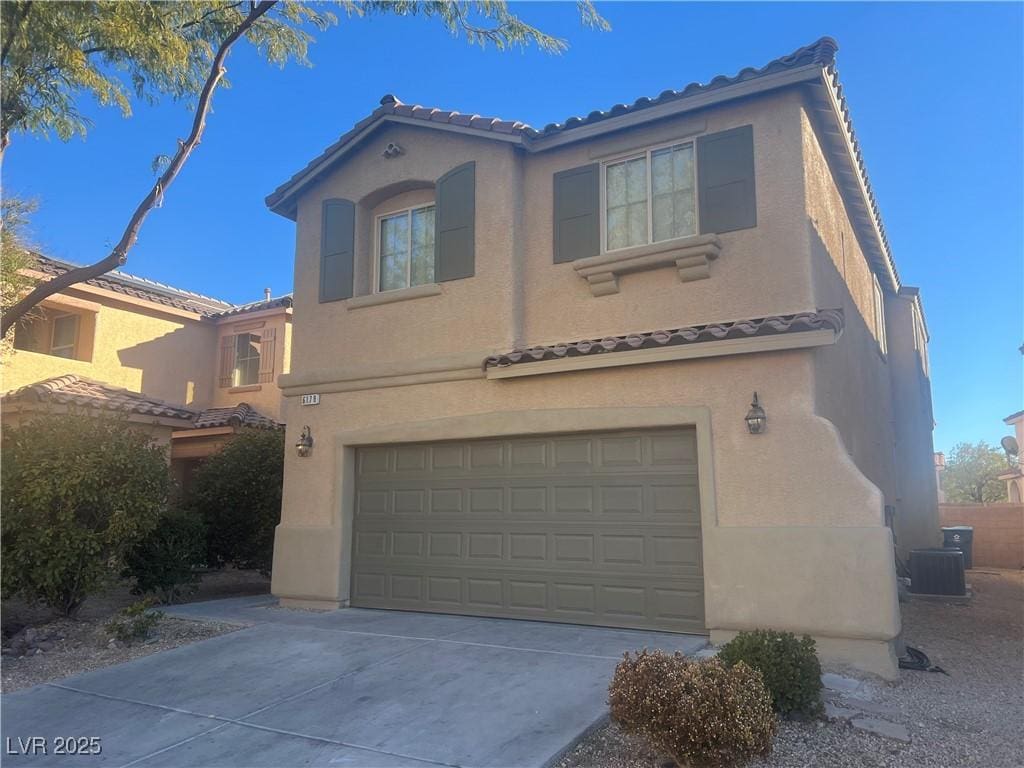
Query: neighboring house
(1014, 477)
(535, 352)
(194, 368)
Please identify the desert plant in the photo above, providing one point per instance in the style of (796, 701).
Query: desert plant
(238, 493)
(789, 665)
(134, 623)
(164, 561)
(701, 713)
(79, 492)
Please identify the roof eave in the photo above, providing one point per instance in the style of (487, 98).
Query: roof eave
(283, 200)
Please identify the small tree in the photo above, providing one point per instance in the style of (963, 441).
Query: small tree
(79, 492)
(238, 493)
(972, 474)
(164, 561)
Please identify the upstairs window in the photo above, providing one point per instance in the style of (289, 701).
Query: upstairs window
(247, 359)
(650, 198)
(879, 306)
(51, 334)
(405, 248)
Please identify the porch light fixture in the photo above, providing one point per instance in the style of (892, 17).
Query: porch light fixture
(756, 418)
(304, 445)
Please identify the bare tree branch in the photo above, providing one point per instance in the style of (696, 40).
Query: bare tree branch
(119, 255)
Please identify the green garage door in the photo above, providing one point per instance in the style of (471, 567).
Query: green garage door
(597, 528)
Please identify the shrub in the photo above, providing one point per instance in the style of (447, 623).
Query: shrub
(164, 561)
(136, 622)
(238, 493)
(790, 668)
(79, 492)
(702, 713)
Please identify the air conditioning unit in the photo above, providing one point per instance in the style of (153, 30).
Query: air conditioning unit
(937, 572)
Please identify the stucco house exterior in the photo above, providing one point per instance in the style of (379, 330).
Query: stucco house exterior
(190, 368)
(1014, 477)
(527, 357)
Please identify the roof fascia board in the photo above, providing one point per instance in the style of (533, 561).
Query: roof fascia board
(258, 314)
(122, 298)
(678, 106)
(849, 159)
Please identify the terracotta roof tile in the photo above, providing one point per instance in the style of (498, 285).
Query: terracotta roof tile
(87, 393)
(764, 326)
(80, 391)
(159, 293)
(241, 415)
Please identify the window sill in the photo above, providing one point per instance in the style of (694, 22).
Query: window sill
(692, 256)
(246, 388)
(389, 297)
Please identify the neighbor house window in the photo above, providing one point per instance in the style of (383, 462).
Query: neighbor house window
(879, 300)
(247, 359)
(52, 334)
(650, 198)
(405, 248)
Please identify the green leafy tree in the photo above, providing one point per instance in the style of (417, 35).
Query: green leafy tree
(53, 53)
(972, 474)
(79, 492)
(238, 493)
(15, 255)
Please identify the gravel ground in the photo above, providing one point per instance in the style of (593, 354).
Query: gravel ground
(972, 718)
(84, 645)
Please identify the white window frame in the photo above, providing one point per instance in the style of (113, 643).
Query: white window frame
(647, 154)
(878, 299)
(377, 244)
(53, 333)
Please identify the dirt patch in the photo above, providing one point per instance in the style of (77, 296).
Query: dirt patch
(970, 718)
(83, 644)
(80, 646)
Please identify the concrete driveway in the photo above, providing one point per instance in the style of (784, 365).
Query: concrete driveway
(352, 687)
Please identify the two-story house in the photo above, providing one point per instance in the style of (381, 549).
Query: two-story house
(535, 356)
(190, 368)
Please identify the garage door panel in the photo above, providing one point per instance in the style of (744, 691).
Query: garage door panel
(596, 529)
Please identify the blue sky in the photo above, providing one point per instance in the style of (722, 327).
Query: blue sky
(935, 89)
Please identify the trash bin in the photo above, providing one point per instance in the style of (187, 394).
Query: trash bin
(960, 537)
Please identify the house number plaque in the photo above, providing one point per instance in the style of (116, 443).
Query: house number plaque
(311, 399)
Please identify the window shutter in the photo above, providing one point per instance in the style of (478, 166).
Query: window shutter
(577, 218)
(337, 249)
(455, 224)
(725, 170)
(227, 360)
(267, 345)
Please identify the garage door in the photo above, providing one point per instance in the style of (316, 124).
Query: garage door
(599, 528)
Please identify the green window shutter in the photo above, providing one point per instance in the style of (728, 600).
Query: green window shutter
(454, 240)
(337, 249)
(725, 171)
(577, 218)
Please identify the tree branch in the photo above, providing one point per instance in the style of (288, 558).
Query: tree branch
(13, 31)
(119, 255)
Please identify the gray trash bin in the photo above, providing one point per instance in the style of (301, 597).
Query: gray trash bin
(960, 537)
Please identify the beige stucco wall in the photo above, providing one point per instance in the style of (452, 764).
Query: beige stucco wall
(142, 349)
(879, 401)
(793, 532)
(264, 397)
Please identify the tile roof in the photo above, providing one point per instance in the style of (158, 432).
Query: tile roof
(159, 293)
(241, 415)
(821, 53)
(83, 392)
(830, 319)
(78, 390)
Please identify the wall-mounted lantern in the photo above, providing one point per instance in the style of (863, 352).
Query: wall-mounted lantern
(756, 418)
(304, 445)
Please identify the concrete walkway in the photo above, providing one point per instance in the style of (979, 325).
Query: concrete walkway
(352, 688)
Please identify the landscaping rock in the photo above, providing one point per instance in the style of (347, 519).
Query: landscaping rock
(840, 684)
(882, 728)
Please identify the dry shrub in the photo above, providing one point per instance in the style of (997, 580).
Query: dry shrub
(702, 713)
